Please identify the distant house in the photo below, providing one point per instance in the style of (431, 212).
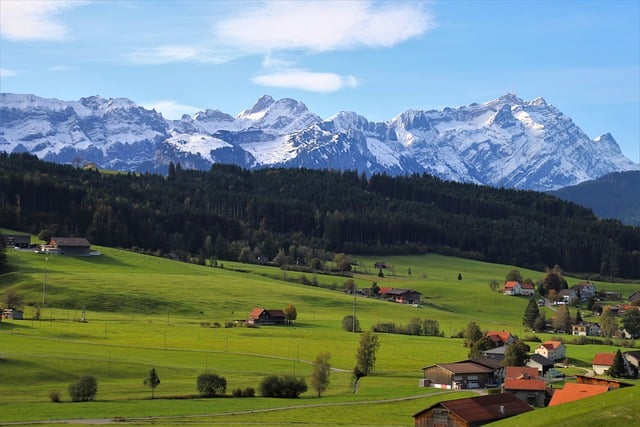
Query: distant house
(553, 350)
(472, 411)
(68, 246)
(584, 290)
(380, 264)
(531, 390)
(585, 329)
(401, 296)
(12, 314)
(633, 361)
(512, 288)
(566, 295)
(539, 362)
(575, 391)
(459, 375)
(634, 297)
(266, 317)
(496, 353)
(520, 372)
(500, 337)
(527, 289)
(602, 362)
(20, 241)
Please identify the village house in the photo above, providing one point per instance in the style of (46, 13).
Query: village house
(602, 362)
(78, 246)
(459, 375)
(262, 316)
(575, 391)
(496, 353)
(539, 362)
(634, 297)
(566, 295)
(527, 289)
(633, 361)
(500, 337)
(512, 288)
(531, 390)
(12, 314)
(471, 411)
(401, 296)
(17, 241)
(584, 290)
(585, 329)
(552, 350)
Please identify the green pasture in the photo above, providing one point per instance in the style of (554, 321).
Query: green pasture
(143, 312)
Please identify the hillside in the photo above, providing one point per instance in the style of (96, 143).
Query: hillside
(296, 216)
(145, 312)
(616, 196)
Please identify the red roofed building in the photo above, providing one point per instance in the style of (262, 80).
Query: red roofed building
(501, 337)
(530, 390)
(527, 289)
(521, 372)
(266, 317)
(553, 350)
(575, 391)
(512, 288)
(472, 411)
(602, 362)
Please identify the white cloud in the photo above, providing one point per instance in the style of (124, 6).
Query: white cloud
(306, 80)
(322, 26)
(34, 20)
(171, 109)
(5, 72)
(59, 68)
(174, 53)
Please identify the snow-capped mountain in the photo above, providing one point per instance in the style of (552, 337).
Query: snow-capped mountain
(504, 142)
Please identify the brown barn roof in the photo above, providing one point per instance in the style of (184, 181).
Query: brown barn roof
(70, 241)
(604, 359)
(520, 372)
(483, 409)
(463, 368)
(524, 384)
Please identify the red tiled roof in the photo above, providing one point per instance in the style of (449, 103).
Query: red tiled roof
(256, 312)
(575, 391)
(384, 290)
(510, 284)
(486, 408)
(520, 371)
(526, 285)
(604, 359)
(552, 344)
(524, 384)
(501, 335)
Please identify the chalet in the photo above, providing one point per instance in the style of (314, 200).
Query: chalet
(401, 296)
(12, 314)
(500, 337)
(553, 350)
(266, 317)
(527, 289)
(512, 288)
(585, 329)
(584, 290)
(68, 246)
(575, 391)
(471, 411)
(531, 390)
(539, 362)
(18, 241)
(459, 375)
(602, 362)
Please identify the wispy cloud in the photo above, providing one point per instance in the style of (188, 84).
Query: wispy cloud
(175, 53)
(30, 20)
(59, 68)
(5, 72)
(171, 109)
(307, 80)
(321, 26)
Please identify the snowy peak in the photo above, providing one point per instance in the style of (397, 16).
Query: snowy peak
(507, 142)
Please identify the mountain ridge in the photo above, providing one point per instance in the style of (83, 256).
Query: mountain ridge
(505, 142)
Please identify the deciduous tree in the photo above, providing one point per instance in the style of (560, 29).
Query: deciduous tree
(290, 313)
(471, 334)
(516, 354)
(366, 355)
(84, 390)
(152, 380)
(321, 372)
(631, 322)
(210, 385)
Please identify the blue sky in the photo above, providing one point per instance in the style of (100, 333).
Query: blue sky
(377, 58)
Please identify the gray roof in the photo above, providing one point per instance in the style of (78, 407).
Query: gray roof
(540, 359)
(71, 241)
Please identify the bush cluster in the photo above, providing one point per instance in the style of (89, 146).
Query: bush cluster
(427, 327)
(286, 386)
(210, 385)
(84, 390)
(247, 392)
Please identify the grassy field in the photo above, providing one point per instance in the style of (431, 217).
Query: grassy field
(143, 312)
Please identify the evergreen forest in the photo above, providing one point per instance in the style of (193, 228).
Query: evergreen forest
(299, 216)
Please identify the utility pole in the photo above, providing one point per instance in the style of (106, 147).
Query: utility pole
(353, 323)
(44, 283)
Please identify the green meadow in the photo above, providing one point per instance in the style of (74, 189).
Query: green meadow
(145, 312)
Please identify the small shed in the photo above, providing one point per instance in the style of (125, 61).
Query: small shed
(12, 314)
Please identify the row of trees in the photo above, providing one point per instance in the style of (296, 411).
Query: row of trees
(299, 215)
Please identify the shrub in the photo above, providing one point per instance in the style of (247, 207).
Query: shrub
(350, 323)
(286, 386)
(237, 392)
(210, 385)
(532, 338)
(54, 396)
(249, 392)
(84, 390)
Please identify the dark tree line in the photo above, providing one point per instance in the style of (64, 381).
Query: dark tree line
(301, 214)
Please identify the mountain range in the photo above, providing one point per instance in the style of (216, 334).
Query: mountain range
(506, 142)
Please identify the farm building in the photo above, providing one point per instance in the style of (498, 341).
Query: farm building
(541, 363)
(20, 241)
(11, 314)
(574, 391)
(553, 350)
(401, 296)
(459, 375)
(266, 317)
(68, 246)
(472, 411)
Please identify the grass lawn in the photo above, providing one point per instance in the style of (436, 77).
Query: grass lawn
(144, 312)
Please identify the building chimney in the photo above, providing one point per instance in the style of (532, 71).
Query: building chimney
(502, 409)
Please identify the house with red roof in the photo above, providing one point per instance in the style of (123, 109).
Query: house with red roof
(266, 317)
(527, 289)
(553, 350)
(500, 337)
(471, 411)
(602, 362)
(512, 288)
(525, 383)
(575, 391)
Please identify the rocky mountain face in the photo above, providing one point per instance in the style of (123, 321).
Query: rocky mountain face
(507, 142)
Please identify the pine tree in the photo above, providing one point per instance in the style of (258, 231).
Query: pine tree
(617, 369)
(152, 381)
(531, 313)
